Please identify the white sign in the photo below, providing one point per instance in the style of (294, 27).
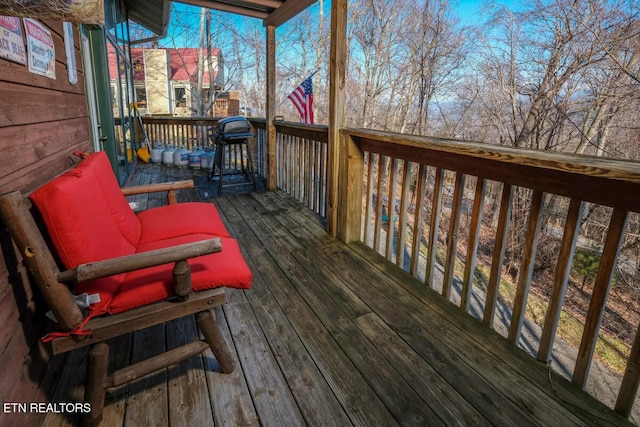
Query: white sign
(40, 48)
(70, 50)
(11, 42)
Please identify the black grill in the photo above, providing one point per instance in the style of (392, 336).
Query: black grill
(231, 129)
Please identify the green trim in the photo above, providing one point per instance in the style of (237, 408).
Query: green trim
(103, 95)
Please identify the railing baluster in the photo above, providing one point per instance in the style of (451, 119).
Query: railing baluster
(318, 176)
(285, 163)
(526, 266)
(324, 153)
(313, 200)
(368, 201)
(378, 217)
(420, 193)
(402, 220)
(452, 237)
(472, 245)
(285, 168)
(499, 248)
(436, 208)
(631, 379)
(293, 160)
(391, 208)
(306, 171)
(300, 169)
(288, 163)
(610, 251)
(560, 279)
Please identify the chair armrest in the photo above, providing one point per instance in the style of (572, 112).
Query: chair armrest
(109, 267)
(171, 187)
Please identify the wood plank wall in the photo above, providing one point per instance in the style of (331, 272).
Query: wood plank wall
(42, 121)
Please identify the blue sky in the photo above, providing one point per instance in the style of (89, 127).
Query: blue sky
(468, 10)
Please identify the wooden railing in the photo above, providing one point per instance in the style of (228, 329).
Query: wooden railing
(188, 132)
(301, 161)
(424, 202)
(301, 152)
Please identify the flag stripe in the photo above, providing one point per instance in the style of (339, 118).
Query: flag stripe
(302, 99)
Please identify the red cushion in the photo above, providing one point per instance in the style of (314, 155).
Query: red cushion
(81, 226)
(180, 219)
(225, 268)
(118, 205)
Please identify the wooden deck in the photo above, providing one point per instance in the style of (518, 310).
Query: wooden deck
(330, 334)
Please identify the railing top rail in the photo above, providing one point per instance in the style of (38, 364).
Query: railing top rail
(258, 123)
(206, 121)
(606, 181)
(314, 132)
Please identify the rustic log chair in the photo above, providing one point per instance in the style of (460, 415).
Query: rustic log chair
(78, 331)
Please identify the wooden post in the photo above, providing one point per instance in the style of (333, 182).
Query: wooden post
(271, 109)
(181, 280)
(95, 384)
(337, 78)
(172, 199)
(351, 182)
(207, 324)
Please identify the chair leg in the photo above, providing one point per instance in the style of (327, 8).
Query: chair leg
(94, 388)
(206, 322)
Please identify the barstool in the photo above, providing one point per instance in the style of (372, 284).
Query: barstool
(228, 148)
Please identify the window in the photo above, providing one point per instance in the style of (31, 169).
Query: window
(141, 96)
(180, 96)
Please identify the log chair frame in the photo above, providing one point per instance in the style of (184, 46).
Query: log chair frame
(15, 210)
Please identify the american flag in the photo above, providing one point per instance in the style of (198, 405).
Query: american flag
(302, 98)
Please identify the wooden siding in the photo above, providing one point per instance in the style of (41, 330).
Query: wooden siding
(42, 121)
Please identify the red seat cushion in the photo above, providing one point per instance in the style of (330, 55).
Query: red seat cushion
(225, 268)
(117, 204)
(180, 219)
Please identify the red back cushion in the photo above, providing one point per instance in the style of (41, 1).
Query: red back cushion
(117, 204)
(81, 226)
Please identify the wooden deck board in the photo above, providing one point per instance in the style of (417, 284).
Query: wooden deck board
(231, 401)
(399, 398)
(350, 389)
(148, 399)
(329, 334)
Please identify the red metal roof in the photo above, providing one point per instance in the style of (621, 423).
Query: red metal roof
(184, 63)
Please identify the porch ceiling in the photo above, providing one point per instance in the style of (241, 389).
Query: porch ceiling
(151, 14)
(272, 12)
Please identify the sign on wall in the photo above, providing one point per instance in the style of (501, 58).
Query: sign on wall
(11, 42)
(70, 51)
(40, 48)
